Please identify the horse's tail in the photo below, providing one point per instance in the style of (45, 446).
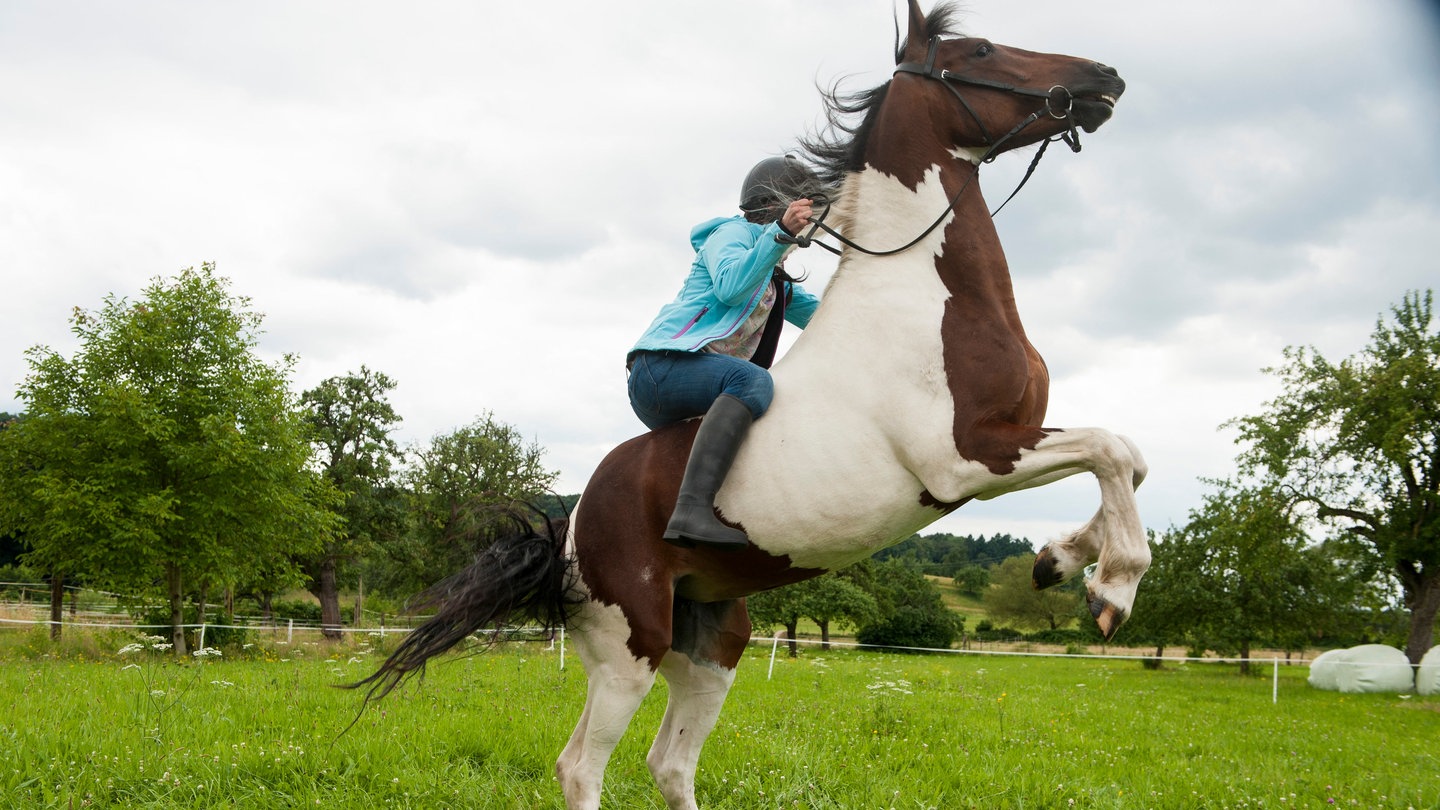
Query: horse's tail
(524, 577)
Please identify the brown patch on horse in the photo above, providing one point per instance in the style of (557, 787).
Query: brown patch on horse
(625, 562)
(998, 381)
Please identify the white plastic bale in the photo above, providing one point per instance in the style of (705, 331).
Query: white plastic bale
(1427, 679)
(1366, 668)
(1323, 670)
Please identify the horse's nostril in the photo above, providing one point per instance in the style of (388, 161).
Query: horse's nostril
(1106, 69)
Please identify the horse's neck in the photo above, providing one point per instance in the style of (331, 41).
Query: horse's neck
(871, 384)
(962, 259)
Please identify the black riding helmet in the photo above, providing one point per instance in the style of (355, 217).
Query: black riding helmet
(776, 181)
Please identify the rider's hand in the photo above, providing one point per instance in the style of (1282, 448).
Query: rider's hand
(797, 215)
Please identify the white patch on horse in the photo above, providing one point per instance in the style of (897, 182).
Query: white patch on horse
(862, 417)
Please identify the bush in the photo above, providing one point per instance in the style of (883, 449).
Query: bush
(987, 631)
(911, 627)
(297, 609)
(158, 621)
(1075, 636)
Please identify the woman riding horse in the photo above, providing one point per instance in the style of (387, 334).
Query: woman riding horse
(708, 351)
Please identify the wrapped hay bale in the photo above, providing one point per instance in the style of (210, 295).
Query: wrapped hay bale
(1324, 668)
(1367, 668)
(1427, 680)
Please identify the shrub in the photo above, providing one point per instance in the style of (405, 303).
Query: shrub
(297, 609)
(910, 627)
(158, 621)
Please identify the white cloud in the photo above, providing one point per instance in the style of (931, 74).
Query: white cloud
(488, 202)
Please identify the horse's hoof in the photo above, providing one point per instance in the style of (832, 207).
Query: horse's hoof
(1045, 573)
(1108, 616)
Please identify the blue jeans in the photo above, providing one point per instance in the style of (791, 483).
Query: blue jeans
(668, 387)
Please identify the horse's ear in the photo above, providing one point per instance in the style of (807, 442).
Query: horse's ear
(916, 41)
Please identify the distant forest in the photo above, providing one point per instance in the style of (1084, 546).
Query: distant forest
(936, 554)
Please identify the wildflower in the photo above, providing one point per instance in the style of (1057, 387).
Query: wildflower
(130, 648)
(205, 652)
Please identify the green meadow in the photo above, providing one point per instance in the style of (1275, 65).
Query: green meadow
(264, 727)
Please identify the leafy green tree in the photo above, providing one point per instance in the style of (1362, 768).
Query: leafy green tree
(1358, 443)
(971, 580)
(911, 610)
(1012, 600)
(455, 484)
(350, 420)
(828, 598)
(779, 607)
(165, 453)
(1249, 579)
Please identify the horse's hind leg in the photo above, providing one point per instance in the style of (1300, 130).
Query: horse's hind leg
(709, 640)
(618, 683)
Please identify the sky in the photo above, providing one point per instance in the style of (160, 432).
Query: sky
(489, 201)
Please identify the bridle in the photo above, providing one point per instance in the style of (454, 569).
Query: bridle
(1059, 102)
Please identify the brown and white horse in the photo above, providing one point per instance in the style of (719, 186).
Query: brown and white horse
(912, 390)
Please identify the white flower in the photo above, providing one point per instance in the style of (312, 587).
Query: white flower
(130, 648)
(205, 652)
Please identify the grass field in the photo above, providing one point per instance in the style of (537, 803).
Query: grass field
(841, 729)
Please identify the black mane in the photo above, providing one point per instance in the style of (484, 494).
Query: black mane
(839, 148)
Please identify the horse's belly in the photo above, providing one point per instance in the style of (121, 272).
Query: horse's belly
(823, 505)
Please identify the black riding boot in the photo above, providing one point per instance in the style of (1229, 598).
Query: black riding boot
(694, 521)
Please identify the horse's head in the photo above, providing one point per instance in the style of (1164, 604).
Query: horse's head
(997, 97)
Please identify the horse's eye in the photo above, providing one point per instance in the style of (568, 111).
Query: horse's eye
(985, 49)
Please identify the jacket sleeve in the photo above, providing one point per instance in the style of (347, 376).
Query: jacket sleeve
(740, 259)
(801, 306)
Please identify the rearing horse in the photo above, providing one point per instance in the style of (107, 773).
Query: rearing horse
(912, 390)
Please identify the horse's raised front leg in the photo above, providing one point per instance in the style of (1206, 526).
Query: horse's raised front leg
(1062, 559)
(709, 640)
(618, 683)
(1114, 538)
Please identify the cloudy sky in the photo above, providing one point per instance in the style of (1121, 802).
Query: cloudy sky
(488, 201)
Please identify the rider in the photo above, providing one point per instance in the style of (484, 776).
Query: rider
(707, 351)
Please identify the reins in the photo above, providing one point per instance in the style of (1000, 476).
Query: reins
(928, 70)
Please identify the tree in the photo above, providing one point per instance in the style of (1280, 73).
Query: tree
(1358, 444)
(164, 453)
(350, 421)
(943, 554)
(1012, 599)
(1248, 578)
(911, 611)
(779, 606)
(971, 580)
(455, 484)
(824, 599)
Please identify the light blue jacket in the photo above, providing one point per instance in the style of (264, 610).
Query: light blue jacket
(734, 260)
